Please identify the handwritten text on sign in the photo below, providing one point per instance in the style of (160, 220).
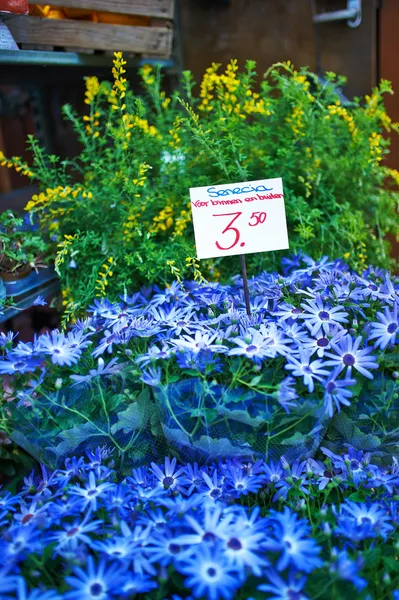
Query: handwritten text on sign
(239, 218)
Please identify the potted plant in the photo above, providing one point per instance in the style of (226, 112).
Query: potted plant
(22, 249)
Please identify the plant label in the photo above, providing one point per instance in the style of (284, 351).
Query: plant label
(239, 218)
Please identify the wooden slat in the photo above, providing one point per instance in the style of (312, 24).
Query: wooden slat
(156, 41)
(148, 8)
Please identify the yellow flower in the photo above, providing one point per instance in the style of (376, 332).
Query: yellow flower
(92, 89)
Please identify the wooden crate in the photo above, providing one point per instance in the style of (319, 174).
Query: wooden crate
(153, 41)
(18, 7)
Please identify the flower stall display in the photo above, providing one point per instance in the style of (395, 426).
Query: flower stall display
(213, 437)
(118, 214)
(319, 529)
(316, 361)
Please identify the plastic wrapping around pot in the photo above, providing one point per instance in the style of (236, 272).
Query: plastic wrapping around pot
(80, 418)
(206, 422)
(371, 423)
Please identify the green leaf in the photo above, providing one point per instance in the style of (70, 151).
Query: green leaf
(372, 557)
(73, 437)
(136, 416)
(358, 496)
(255, 380)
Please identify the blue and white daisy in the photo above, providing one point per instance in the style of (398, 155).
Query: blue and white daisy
(210, 574)
(386, 331)
(302, 367)
(321, 316)
(347, 354)
(95, 582)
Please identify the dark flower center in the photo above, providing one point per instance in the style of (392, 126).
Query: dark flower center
(373, 287)
(17, 546)
(331, 387)
(19, 365)
(328, 474)
(27, 518)
(92, 492)
(296, 311)
(96, 589)
(275, 478)
(354, 464)
(366, 520)
(208, 537)
(239, 486)
(251, 348)
(71, 532)
(174, 548)
(349, 360)
(307, 370)
(234, 544)
(211, 572)
(116, 553)
(167, 482)
(57, 351)
(324, 315)
(216, 492)
(322, 342)
(392, 327)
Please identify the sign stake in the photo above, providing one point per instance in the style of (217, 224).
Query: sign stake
(245, 282)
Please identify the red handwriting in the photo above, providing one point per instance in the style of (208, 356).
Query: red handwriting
(230, 228)
(206, 203)
(199, 203)
(257, 218)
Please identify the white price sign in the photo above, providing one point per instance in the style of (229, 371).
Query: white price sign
(239, 218)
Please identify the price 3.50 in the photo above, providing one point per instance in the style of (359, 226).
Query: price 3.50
(257, 218)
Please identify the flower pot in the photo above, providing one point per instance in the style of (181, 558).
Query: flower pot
(11, 277)
(80, 418)
(204, 422)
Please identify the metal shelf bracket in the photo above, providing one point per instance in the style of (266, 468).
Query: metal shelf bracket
(352, 14)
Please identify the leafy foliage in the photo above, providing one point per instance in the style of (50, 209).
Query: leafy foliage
(119, 212)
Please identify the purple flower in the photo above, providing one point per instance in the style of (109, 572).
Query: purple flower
(210, 573)
(16, 364)
(290, 537)
(252, 347)
(200, 342)
(168, 477)
(95, 582)
(302, 367)
(278, 589)
(386, 330)
(286, 395)
(102, 370)
(336, 393)
(347, 569)
(321, 316)
(361, 521)
(152, 376)
(39, 301)
(347, 355)
(58, 346)
(91, 491)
